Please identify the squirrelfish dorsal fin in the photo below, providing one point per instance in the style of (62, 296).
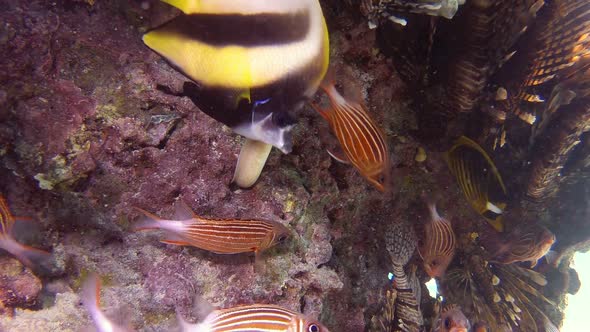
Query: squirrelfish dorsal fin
(183, 212)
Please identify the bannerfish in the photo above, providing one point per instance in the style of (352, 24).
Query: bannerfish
(362, 141)
(438, 248)
(479, 180)
(452, 319)
(91, 300)
(221, 236)
(525, 243)
(253, 63)
(27, 255)
(255, 318)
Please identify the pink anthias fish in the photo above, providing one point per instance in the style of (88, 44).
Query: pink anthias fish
(27, 255)
(438, 247)
(91, 300)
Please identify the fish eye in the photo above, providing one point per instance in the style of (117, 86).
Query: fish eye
(313, 328)
(282, 238)
(447, 323)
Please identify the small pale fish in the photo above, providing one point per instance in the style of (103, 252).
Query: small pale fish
(452, 319)
(91, 300)
(362, 141)
(221, 236)
(479, 180)
(438, 247)
(525, 243)
(27, 255)
(255, 318)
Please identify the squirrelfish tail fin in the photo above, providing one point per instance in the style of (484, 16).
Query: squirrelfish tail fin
(27, 255)
(149, 221)
(91, 300)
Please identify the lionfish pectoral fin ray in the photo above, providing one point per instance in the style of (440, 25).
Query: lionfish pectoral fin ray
(250, 163)
(338, 155)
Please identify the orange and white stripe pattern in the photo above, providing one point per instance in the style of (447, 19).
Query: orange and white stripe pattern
(6, 218)
(221, 236)
(439, 245)
(256, 317)
(361, 139)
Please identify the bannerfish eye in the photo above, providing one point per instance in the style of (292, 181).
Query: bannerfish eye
(447, 323)
(313, 328)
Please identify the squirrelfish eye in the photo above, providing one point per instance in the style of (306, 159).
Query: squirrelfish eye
(313, 328)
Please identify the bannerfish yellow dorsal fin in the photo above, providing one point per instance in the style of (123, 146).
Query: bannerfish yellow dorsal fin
(244, 7)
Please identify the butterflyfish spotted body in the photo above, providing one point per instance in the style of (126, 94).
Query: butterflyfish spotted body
(361, 140)
(221, 236)
(27, 255)
(479, 180)
(255, 318)
(439, 244)
(252, 60)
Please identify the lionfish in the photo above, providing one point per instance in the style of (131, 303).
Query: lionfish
(401, 312)
(505, 297)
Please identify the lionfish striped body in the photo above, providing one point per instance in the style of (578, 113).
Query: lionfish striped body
(408, 316)
(439, 244)
(257, 317)
(560, 39)
(221, 236)
(361, 140)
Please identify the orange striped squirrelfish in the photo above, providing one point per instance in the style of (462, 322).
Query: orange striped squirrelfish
(221, 236)
(439, 245)
(255, 318)
(27, 255)
(361, 140)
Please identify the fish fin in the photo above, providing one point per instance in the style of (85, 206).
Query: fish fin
(323, 111)
(91, 292)
(338, 155)
(552, 258)
(258, 261)
(176, 242)
(534, 263)
(149, 221)
(251, 161)
(21, 218)
(183, 212)
(25, 254)
(497, 224)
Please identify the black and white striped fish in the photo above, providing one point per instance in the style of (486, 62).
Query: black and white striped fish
(254, 61)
